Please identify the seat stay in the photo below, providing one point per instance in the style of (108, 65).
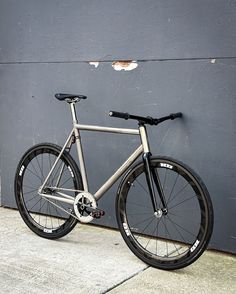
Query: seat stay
(56, 161)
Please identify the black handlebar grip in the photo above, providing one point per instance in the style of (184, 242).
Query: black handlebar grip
(176, 115)
(123, 115)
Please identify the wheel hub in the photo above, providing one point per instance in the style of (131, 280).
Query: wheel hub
(158, 213)
(48, 190)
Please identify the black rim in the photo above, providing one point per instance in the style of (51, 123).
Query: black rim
(164, 238)
(43, 215)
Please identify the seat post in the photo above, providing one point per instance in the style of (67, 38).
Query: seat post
(73, 113)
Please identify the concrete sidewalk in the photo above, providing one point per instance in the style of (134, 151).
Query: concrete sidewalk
(96, 260)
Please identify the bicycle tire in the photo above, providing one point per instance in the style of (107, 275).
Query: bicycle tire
(47, 218)
(170, 241)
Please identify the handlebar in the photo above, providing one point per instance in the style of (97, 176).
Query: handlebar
(176, 115)
(145, 120)
(123, 115)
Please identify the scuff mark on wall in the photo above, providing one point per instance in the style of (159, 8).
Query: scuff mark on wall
(94, 63)
(124, 65)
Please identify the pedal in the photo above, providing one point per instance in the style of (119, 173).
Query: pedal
(97, 213)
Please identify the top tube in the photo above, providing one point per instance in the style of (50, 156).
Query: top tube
(106, 129)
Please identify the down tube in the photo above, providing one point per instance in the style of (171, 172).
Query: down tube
(119, 172)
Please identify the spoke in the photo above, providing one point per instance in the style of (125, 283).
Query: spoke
(31, 198)
(145, 227)
(164, 180)
(190, 220)
(184, 210)
(30, 187)
(58, 168)
(61, 185)
(41, 205)
(165, 236)
(140, 205)
(183, 202)
(31, 162)
(55, 208)
(40, 209)
(50, 162)
(142, 221)
(141, 186)
(173, 188)
(158, 222)
(174, 225)
(42, 165)
(61, 208)
(28, 182)
(40, 169)
(60, 174)
(33, 217)
(35, 204)
(34, 174)
(171, 240)
(50, 215)
(55, 205)
(184, 229)
(179, 192)
(58, 212)
(31, 191)
(139, 213)
(46, 216)
(150, 238)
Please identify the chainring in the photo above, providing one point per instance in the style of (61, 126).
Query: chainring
(84, 205)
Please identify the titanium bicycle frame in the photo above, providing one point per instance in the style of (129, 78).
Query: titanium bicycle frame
(75, 134)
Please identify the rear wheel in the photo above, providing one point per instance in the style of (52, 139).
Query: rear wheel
(169, 239)
(49, 218)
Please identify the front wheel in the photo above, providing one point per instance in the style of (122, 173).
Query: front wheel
(174, 237)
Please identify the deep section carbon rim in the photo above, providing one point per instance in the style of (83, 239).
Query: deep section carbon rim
(46, 217)
(165, 240)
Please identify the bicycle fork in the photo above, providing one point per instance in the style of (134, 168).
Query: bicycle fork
(152, 176)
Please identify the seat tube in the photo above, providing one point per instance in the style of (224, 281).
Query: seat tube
(79, 148)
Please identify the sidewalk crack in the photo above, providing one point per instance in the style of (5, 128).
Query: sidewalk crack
(125, 280)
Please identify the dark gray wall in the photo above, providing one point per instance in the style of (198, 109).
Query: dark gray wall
(185, 52)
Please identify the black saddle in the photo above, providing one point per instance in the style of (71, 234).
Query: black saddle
(69, 97)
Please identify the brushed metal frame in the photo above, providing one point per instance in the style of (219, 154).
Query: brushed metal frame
(144, 147)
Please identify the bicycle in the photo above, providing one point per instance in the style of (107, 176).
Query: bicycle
(163, 209)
